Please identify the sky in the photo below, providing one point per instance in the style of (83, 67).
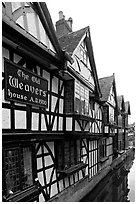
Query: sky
(113, 29)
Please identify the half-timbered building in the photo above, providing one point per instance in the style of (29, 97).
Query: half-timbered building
(110, 112)
(83, 110)
(51, 115)
(124, 112)
(53, 134)
(32, 100)
(127, 114)
(121, 124)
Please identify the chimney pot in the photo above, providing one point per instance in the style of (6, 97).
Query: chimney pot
(61, 15)
(70, 21)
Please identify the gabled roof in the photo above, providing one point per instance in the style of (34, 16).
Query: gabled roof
(70, 41)
(105, 86)
(44, 15)
(127, 108)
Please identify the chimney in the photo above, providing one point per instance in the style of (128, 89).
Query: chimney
(63, 26)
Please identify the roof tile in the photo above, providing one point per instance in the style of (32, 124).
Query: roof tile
(70, 41)
(105, 86)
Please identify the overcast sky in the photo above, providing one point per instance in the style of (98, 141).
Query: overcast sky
(113, 28)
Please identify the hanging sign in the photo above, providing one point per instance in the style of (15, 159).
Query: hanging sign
(24, 86)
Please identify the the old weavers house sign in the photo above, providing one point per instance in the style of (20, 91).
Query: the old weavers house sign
(24, 86)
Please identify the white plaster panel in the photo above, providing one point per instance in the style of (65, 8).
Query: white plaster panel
(39, 151)
(106, 129)
(45, 149)
(96, 128)
(32, 24)
(93, 130)
(90, 145)
(60, 123)
(71, 179)
(43, 123)
(6, 119)
(20, 21)
(3, 96)
(39, 163)
(48, 174)
(80, 174)
(84, 159)
(86, 171)
(61, 106)
(87, 127)
(68, 124)
(66, 182)
(91, 158)
(61, 186)
(55, 85)
(54, 101)
(51, 146)
(43, 34)
(48, 160)
(77, 127)
(17, 58)
(55, 124)
(15, 5)
(20, 119)
(35, 121)
(41, 179)
(61, 82)
(48, 119)
(41, 198)
(76, 177)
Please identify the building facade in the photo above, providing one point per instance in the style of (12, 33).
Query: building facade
(110, 109)
(124, 112)
(53, 132)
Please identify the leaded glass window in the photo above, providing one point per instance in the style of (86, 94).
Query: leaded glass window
(18, 169)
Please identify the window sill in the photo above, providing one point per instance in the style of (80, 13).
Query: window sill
(72, 169)
(104, 159)
(30, 194)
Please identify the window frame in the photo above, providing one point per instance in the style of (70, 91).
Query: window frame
(106, 114)
(81, 95)
(21, 159)
(66, 161)
(83, 53)
(103, 148)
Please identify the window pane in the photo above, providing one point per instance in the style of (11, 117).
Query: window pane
(26, 167)
(72, 153)
(69, 90)
(12, 170)
(67, 155)
(18, 169)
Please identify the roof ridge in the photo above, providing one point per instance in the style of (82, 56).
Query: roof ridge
(106, 77)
